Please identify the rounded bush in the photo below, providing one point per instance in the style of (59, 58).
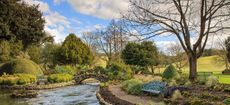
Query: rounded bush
(133, 86)
(21, 66)
(170, 72)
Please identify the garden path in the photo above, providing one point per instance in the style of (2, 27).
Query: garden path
(140, 100)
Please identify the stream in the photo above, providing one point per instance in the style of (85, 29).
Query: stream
(71, 95)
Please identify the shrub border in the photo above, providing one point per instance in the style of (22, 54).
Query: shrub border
(38, 87)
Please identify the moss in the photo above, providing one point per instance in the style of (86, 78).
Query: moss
(21, 66)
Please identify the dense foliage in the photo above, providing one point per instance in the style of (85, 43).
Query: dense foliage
(35, 53)
(57, 78)
(17, 79)
(132, 86)
(119, 71)
(170, 72)
(74, 51)
(21, 66)
(49, 55)
(4, 51)
(20, 21)
(67, 69)
(144, 54)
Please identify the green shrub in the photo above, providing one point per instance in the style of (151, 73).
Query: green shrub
(188, 83)
(119, 71)
(227, 101)
(139, 69)
(19, 79)
(68, 69)
(132, 86)
(21, 66)
(100, 69)
(212, 81)
(173, 83)
(176, 95)
(170, 73)
(57, 78)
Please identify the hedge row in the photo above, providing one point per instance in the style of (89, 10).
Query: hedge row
(17, 79)
(57, 78)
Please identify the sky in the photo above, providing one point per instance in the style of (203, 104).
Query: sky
(76, 16)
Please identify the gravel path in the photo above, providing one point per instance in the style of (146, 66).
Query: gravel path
(140, 100)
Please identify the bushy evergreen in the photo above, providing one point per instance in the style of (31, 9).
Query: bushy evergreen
(20, 21)
(170, 72)
(144, 54)
(74, 51)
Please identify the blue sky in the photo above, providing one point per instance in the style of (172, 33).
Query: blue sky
(78, 16)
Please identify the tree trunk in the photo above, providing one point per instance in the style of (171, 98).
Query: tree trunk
(192, 67)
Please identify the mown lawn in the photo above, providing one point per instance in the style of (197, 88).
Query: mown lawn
(207, 64)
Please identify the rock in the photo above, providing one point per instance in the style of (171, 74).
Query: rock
(24, 94)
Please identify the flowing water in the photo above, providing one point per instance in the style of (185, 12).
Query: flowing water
(72, 95)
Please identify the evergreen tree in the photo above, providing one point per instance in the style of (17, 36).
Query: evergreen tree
(20, 21)
(144, 54)
(74, 51)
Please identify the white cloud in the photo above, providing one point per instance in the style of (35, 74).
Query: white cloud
(105, 9)
(56, 24)
(44, 7)
(54, 19)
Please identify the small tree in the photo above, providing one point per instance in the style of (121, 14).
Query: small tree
(144, 54)
(74, 51)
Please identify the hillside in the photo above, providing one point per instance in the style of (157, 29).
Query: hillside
(209, 63)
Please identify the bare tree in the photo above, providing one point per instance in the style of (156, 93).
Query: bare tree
(178, 56)
(223, 52)
(191, 21)
(111, 40)
(91, 40)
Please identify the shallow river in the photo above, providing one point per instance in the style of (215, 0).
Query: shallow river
(72, 95)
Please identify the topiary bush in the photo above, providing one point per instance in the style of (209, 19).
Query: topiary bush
(170, 73)
(57, 78)
(132, 86)
(21, 66)
(119, 71)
